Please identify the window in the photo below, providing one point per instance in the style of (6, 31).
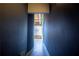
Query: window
(38, 25)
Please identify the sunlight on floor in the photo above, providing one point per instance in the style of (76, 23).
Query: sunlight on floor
(39, 48)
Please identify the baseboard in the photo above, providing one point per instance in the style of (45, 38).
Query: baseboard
(29, 53)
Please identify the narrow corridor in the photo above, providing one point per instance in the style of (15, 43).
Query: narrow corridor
(39, 48)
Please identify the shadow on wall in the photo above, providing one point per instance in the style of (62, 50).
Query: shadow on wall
(14, 29)
(61, 31)
(30, 32)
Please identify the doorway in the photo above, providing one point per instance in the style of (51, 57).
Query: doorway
(38, 34)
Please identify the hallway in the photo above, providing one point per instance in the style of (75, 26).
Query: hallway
(39, 48)
(42, 29)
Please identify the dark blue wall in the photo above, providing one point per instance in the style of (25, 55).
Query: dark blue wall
(14, 29)
(30, 32)
(61, 30)
(1, 18)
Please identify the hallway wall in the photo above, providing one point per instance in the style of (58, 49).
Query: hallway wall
(61, 30)
(30, 38)
(14, 29)
(0, 29)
